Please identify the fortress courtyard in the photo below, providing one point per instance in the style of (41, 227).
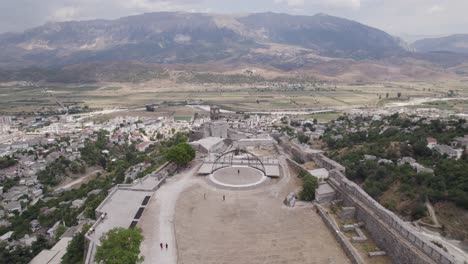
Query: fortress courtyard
(204, 222)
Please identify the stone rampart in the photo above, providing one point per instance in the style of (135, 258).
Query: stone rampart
(340, 237)
(306, 154)
(296, 167)
(402, 243)
(327, 163)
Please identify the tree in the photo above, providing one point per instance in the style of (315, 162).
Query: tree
(120, 246)
(284, 120)
(159, 136)
(76, 247)
(303, 138)
(309, 185)
(181, 154)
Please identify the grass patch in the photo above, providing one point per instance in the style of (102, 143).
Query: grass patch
(324, 117)
(182, 118)
(75, 89)
(111, 88)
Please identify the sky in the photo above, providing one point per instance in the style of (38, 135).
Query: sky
(399, 17)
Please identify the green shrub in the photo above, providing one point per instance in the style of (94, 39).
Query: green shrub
(309, 185)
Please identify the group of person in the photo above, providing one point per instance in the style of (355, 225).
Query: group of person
(162, 246)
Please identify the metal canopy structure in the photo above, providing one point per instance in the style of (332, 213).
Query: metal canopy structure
(231, 158)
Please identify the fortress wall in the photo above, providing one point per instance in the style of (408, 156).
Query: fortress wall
(320, 159)
(340, 237)
(327, 163)
(401, 242)
(296, 167)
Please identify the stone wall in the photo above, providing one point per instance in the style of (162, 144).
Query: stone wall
(307, 154)
(304, 154)
(340, 237)
(216, 129)
(402, 243)
(295, 167)
(327, 163)
(254, 142)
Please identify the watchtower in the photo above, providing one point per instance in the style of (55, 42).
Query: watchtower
(215, 113)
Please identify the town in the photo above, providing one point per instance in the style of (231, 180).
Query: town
(58, 172)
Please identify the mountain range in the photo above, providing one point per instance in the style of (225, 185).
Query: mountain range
(320, 45)
(454, 43)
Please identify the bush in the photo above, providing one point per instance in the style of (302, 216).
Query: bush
(419, 212)
(303, 138)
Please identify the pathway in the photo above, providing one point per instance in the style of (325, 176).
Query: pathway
(158, 220)
(80, 180)
(432, 214)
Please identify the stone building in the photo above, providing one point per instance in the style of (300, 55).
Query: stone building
(215, 129)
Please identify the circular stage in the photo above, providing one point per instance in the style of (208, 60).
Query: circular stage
(238, 177)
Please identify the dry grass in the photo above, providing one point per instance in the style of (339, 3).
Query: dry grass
(238, 97)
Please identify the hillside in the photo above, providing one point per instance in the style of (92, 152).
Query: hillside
(453, 43)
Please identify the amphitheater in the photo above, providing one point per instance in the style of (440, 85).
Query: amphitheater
(235, 215)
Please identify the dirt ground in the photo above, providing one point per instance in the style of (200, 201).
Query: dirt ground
(250, 227)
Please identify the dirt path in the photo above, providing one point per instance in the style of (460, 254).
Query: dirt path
(432, 213)
(78, 181)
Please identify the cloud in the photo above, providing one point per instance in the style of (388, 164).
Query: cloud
(434, 9)
(296, 3)
(354, 4)
(157, 5)
(65, 14)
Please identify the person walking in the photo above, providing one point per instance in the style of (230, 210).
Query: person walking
(161, 245)
(167, 246)
(224, 197)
